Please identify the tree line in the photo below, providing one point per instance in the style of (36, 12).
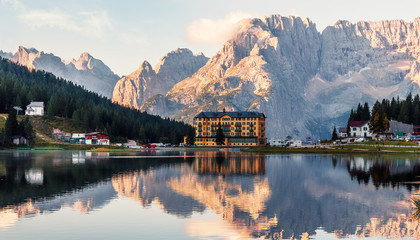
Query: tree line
(15, 128)
(403, 110)
(86, 110)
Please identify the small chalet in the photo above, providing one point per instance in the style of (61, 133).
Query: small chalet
(342, 132)
(35, 109)
(360, 129)
(97, 138)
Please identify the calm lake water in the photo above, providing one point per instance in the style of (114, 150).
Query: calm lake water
(207, 195)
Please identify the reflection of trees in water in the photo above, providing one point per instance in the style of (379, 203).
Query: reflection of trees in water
(384, 173)
(61, 176)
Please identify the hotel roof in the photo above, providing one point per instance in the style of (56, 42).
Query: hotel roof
(230, 114)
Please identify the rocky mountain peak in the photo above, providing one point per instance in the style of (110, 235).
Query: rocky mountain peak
(146, 82)
(86, 62)
(87, 71)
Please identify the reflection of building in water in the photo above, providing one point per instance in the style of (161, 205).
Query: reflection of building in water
(183, 192)
(82, 156)
(226, 163)
(78, 157)
(34, 176)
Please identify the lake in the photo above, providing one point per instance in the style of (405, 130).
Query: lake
(207, 195)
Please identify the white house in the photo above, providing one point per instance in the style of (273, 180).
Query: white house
(35, 109)
(360, 129)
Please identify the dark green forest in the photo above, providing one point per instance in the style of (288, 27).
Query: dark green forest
(406, 111)
(86, 110)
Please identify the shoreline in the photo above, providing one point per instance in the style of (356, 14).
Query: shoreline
(322, 149)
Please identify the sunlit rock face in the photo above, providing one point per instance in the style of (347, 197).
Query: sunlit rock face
(133, 90)
(303, 81)
(87, 71)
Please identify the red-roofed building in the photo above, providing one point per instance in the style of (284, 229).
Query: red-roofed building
(360, 129)
(97, 138)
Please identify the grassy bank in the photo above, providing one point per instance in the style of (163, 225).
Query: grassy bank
(389, 143)
(58, 146)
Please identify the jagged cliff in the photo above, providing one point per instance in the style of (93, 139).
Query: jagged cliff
(86, 71)
(303, 81)
(146, 82)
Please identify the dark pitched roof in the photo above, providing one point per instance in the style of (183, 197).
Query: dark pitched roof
(230, 114)
(342, 130)
(357, 123)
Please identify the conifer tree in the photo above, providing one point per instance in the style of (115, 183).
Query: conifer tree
(378, 121)
(334, 135)
(190, 136)
(11, 127)
(220, 137)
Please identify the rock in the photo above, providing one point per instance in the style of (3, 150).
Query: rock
(303, 81)
(133, 90)
(87, 71)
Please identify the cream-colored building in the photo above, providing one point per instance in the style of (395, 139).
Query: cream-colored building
(35, 109)
(239, 128)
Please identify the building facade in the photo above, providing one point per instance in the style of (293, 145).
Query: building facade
(35, 109)
(96, 138)
(360, 129)
(239, 128)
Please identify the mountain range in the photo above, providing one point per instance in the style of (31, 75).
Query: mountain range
(303, 80)
(87, 71)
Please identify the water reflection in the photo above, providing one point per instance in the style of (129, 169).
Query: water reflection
(273, 196)
(384, 171)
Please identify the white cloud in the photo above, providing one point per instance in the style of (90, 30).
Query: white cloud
(93, 23)
(12, 4)
(212, 31)
(293, 12)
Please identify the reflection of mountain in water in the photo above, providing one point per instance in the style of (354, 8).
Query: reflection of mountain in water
(38, 175)
(150, 186)
(92, 196)
(260, 196)
(33, 183)
(296, 195)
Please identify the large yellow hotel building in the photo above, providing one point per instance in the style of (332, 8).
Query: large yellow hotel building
(240, 128)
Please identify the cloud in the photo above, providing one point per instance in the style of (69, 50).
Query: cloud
(93, 23)
(212, 31)
(14, 4)
(293, 12)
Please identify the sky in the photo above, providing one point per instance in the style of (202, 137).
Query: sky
(125, 33)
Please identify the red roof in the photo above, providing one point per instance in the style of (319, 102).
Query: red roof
(357, 123)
